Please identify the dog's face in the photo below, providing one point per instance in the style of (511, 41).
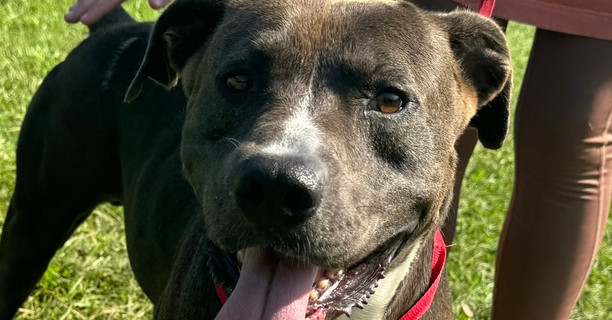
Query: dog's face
(325, 130)
(321, 129)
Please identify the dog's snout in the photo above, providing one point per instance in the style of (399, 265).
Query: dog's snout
(279, 192)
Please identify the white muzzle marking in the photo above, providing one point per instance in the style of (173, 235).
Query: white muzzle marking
(300, 135)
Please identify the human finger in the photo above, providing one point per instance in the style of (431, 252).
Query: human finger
(158, 4)
(77, 10)
(97, 11)
(90, 11)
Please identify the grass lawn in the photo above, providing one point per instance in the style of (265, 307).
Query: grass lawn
(90, 277)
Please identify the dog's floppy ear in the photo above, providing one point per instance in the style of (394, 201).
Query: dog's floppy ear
(480, 48)
(178, 33)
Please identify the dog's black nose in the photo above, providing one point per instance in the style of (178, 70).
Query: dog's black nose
(279, 192)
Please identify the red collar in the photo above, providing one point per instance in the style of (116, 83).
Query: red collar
(422, 305)
(486, 8)
(437, 265)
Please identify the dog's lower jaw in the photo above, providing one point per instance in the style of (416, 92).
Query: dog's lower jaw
(387, 289)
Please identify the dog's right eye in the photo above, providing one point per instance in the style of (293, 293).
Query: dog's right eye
(238, 82)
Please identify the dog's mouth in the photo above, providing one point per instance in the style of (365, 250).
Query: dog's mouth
(281, 287)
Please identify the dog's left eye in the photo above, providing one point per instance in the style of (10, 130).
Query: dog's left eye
(238, 82)
(388, 103)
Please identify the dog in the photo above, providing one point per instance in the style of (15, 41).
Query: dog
(296, 156)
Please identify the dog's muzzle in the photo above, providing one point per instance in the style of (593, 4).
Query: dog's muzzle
(277, 193)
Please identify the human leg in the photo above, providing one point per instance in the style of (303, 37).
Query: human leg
(563, 182)
(464, 146)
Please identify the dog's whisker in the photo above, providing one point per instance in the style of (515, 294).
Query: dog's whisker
(237, 144)
(369, 207)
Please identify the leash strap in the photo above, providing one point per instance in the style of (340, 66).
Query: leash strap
(486, 8)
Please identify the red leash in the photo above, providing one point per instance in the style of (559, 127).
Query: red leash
(486, 8)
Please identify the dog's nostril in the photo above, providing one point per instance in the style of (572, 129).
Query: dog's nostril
(297, 201)
(250, 192)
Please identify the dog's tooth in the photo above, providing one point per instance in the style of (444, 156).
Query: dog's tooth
(330, 273)
(240, 255)
(347, 311)
(323, 284)
(314, 295)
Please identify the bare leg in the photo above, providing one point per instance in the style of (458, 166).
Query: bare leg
(561, 195)
(464, 146)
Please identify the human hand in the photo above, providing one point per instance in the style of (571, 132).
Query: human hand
(90, 11)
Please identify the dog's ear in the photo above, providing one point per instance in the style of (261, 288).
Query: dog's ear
(479, 46)
(178, 33)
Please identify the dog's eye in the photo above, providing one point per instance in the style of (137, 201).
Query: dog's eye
(388, 103)
(238, 82)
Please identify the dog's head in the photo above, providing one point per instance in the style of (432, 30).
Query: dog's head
(324, 131)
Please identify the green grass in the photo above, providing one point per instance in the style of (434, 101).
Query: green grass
(90, 277)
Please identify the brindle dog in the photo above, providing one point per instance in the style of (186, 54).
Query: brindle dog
(301, 154)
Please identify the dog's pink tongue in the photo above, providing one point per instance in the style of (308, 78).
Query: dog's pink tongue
(269, 288)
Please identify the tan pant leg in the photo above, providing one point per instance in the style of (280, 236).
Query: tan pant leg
(561, 194)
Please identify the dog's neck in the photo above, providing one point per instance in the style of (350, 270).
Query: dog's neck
(391, 294)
